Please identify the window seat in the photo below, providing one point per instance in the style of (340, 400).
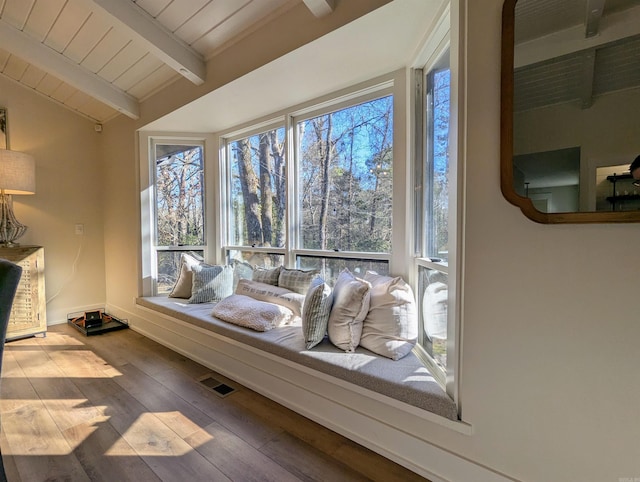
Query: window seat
(405, 380)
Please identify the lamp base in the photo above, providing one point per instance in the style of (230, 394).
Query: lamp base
(10, 228)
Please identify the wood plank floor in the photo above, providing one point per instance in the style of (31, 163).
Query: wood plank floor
(119, 407)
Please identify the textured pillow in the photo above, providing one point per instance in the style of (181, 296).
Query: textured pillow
(271, 294)
(267, 275)
(350, 306)
(251, 313)
(315, 315)
(182, 288)
(296, 279)
(391, 326)
(211, 283)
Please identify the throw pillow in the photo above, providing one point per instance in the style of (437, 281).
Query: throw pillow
(211, 283)
(182, 288)
(271, 294)
(296, 279)
(315, 315)
(241, 270)
(267, 275)
(251, 313)
(391, 326)
(350, 306)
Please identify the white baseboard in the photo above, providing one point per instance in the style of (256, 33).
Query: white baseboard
(393, 429)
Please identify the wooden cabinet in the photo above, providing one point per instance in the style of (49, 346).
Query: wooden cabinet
(28, 315)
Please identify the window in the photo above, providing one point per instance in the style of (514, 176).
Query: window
(178, 185)
(333, 208)
(257, 187)
(436, 222)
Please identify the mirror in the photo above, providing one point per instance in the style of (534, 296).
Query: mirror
(569, 109)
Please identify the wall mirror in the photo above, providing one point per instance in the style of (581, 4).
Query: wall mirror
(570, 109)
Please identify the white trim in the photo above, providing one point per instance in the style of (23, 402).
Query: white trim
(391, 428)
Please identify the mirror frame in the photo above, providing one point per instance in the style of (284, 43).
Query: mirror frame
(506, 143)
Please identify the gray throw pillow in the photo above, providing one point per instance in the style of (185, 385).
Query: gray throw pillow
(266, 275)
(315, 315)
(296, 279)
(211, 283)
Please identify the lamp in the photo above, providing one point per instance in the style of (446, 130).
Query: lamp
(17, 176)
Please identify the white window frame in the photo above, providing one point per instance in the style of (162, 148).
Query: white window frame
(376, 88)
(149, 248)
(435, 47)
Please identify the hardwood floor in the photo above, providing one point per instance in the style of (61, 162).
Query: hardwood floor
(119, 407)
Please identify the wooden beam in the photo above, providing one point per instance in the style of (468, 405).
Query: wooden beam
(594, 14)
(320, 8)
(586, 83)
(27, 48)
(612, 27)
(162, 43)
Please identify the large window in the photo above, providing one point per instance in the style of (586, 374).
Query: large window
(435, 221)
(333, 208)
(179, 208)
(257, 190)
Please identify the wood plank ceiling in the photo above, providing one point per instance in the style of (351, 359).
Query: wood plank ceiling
(101, 58)
(575, 50)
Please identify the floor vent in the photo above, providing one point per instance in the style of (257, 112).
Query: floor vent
(216, 386)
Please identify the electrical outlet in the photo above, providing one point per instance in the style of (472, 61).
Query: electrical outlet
(80, 229)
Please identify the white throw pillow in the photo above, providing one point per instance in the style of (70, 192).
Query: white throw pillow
(271, 294)
(182, 288)
(391, 326)
(248, 312)
(350, 306)
(315, 315)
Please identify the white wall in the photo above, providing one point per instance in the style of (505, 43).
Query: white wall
(550, 378)
(69, 191)
(550, 360)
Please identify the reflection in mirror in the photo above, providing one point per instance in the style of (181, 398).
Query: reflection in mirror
(571, 118)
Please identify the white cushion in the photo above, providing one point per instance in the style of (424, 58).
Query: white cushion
(315, 315)
(248, 312)
(350, 306)
(182, 288)
(211, 283)
(391, 327)
(271, 294)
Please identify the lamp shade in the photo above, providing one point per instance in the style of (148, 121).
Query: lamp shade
(17, 172)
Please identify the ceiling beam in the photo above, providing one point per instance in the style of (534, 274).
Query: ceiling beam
(320, 8)
(162, 43)
(611, 28)
(594, 14)
(588, 72)
(27, 48)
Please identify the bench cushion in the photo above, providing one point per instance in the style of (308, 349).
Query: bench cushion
(405, 380)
